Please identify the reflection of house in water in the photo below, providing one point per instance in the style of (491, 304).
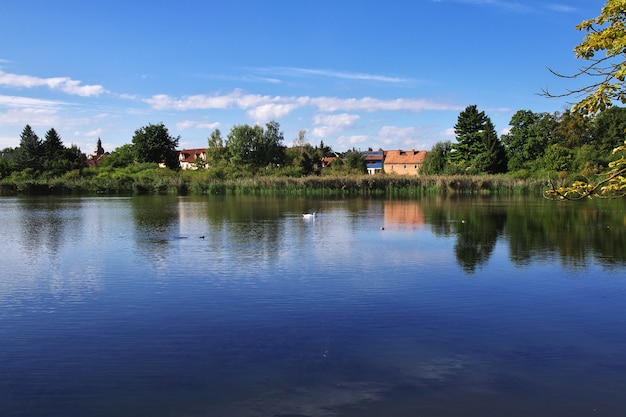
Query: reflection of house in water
(401, 214)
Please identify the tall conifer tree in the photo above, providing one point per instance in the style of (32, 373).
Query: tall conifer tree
(30, 152)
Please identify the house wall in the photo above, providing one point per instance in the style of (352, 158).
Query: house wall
(402, 169)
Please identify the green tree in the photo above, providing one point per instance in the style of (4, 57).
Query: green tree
(254, 147)
(355, 161)
(70, 159)
(468, 129)
(273, 151)
(493, 158)
(153, 143)
(57, 159)
(121, 157)
(242, 143)
(558, 158)
(573, 129)
(323, 150)
(436, 160)
(30, 152)
(52, 145)
(478, 148)
(7, 165)
(528, 138)
(216, 152)
(603, 50)
(609, 130)
(304, 157)
(351, 162)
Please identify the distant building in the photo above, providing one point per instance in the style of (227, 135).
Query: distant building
(326, 161)
(192, 158)
(374, 161)
(7, 154)
(98, 155)
(403, 162)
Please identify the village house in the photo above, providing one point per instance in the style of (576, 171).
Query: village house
(326, 161)
(403, 162)
(192, 158)
(374, 161)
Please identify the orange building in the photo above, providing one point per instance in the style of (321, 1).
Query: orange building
(403, 162)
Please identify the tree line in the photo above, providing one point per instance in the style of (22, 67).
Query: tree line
(537, 144)
(245, 151)
(568, 144)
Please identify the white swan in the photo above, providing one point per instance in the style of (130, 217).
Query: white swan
(309, 215)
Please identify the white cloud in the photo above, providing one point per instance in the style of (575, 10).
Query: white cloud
(201, 101)
(17, 101)
(208, 126)
(65, 84)
(394, 132)
(35, 116)
(564, 8)
(353, 141)
(369, 104)
(189, 124)
(329, 124)
(271, 111)
(95, 133)
(264, 107)
(359, 76)
(185, 124)
(505, 5)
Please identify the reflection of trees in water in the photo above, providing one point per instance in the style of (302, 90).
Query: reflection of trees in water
(575, 233)
(477, 235)
(476, 223)
(250, 226)
(50, 247)
(48, 222)
(155, 219)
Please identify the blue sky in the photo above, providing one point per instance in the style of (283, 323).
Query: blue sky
(380, 74)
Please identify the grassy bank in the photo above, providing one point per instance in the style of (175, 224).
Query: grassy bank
(162, 181)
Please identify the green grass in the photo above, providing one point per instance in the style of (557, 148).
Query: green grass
(163, 181)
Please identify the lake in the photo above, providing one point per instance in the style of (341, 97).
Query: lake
(239, 306)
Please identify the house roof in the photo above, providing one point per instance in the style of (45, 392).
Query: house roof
(373, 155)
(404, 157)
(326, 161)
(190, 155)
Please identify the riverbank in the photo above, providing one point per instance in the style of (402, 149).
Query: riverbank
(195, 183)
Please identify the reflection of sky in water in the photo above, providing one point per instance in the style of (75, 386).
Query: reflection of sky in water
(273, 315)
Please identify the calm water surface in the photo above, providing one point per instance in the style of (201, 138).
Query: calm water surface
(232, 306)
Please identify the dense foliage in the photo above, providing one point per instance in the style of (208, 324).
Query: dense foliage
(604, 51)
(153, 143)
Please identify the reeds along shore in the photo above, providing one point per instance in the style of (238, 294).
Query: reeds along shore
(188, 183)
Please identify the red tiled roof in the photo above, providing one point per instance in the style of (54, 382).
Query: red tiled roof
(404, 157)
(190, 155)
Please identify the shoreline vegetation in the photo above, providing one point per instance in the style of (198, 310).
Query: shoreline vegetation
(166, 181)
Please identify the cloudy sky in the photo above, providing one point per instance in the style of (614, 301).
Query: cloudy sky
(354, 73)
